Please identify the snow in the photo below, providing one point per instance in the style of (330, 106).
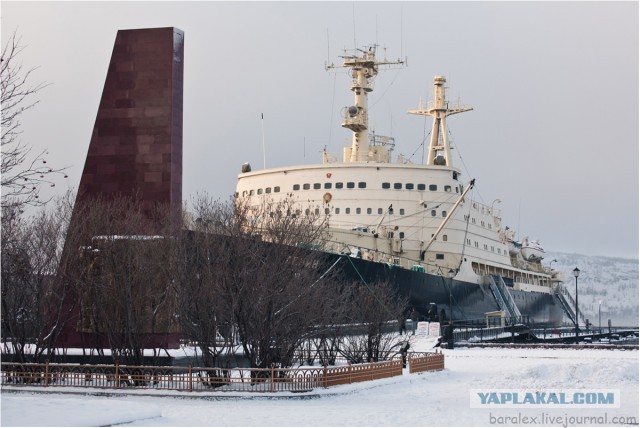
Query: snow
(425, 399)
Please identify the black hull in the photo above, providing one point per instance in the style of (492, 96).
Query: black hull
(469, 301)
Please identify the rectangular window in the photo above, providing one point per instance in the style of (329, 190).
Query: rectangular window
(259, 191)
(421, 186)
(447, 188)
(327, 185)
(276, 189)
(433, 213)
(296, 187)
(397, 186)
(444, 213)
(433, 187)
(386, 185)
(439, 256)
(408, 186)
(267, 190)
(337, 210)
(339, 185)
(362, 185)
(317, 186)
(369, 211)
(306, 186)
(379, 210)
(401, 211)
(347, 210)
(351, 185)
(358, 210)
(445, 237)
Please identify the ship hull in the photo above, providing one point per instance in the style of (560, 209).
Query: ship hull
(432, 294)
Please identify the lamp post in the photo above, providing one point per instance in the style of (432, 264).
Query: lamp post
(451, 274)
(599, 319)
(576, 273)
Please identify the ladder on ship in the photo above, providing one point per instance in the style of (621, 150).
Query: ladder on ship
(568, 304)
(503, 296)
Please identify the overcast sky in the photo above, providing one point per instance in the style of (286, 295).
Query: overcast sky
(554, 86)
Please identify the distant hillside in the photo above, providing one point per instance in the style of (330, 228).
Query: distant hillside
(610, 280)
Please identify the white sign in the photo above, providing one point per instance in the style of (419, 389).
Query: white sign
(434, 329)
(422, 329)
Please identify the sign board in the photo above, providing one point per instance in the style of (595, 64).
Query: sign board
(434, 329)
(422, 329)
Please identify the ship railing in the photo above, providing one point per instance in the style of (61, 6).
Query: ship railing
(479, 333)
(432, 104)
(485, 209)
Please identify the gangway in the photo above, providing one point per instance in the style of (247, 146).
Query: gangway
(503, 296)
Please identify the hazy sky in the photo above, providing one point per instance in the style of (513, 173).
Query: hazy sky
(554, 86)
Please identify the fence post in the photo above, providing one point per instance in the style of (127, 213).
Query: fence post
(46, 372)
(325, 374)
(271, 387)
(190, 378)
(117, 378)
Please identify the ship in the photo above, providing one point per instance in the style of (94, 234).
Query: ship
(415, 226)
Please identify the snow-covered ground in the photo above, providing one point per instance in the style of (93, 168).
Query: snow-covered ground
(426, 399)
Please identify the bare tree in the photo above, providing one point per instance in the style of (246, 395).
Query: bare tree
(124, 278)
(262, 277)
(375, 308)
(204, 315)
(23, 173)
(36, 301)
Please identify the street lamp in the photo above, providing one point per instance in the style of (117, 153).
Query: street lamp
(576, 273)
(599, 319)
(552, 261)
(449, 335)
(451, 274)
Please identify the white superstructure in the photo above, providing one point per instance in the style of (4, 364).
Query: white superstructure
(410, 215)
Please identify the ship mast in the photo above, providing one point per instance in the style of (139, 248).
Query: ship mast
(439, 108)
(364, 68)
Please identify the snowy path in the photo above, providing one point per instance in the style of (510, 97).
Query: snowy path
(428, 399)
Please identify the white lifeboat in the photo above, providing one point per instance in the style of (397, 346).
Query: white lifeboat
(532, 251)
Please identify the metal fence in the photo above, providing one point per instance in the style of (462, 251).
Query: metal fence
(209, 379)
